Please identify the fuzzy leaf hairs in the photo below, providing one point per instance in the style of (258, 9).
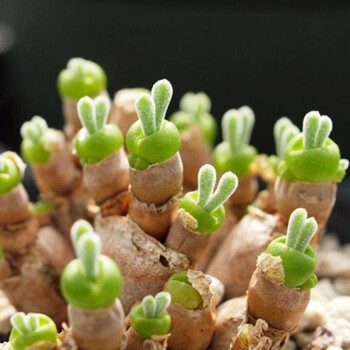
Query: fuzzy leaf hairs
(234, 153)
(39, 141)
(312, 156)
(206, 205)
(81, 78)
(92, 280)
(298, 258)
(97, 139)
(30, 330)
(151, 317)
(195, 109)
(152, 139)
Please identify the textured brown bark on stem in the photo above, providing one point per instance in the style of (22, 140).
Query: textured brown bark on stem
(146, 264)
(98, 328)
(108, 177)
(317, 198)
(159, 182)
(154, 220)
(183, 238)
(14, 206)
(235, 260)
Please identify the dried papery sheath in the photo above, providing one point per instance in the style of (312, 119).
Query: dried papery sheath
(202, 212)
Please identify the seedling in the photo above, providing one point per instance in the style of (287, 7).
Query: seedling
(40, 207)
(284, 131)
(183, 293)
(150, 317)
(195, 110)
(234, 153)
(205, 205)
(96, 140)
(81, 78)
(31, 329)
(298, 258)
(152, 139)
(92, 280)
(312, 156)
(39, 141)
(11, 169)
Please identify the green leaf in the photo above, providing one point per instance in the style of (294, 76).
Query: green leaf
(231, 129)
(287, 135)
(162, 92)
(88, 251)
(146, 110)
(248, 120)
(308, 231)
(86, 112)
(325, 128)
(102, 108)
(206, 183)
(311, 125)
(149, 306)
(79, 228)
(19, 322)
(295, 226)
(163, 300)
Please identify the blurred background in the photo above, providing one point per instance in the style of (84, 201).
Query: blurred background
(278, 58)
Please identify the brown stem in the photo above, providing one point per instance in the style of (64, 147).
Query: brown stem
(107, 178)
(229, 317)
(193, 329)
(135, 342)
(98, 328)
(195, 152)
(154, 220)
(317, 198)
(57, 175)
(183, 238)
(14, 206)
(159, 182)
(235, 260)
(123, 111)
(146, 264)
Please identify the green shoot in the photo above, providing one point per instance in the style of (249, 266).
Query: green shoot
(78, 65)
(343, 164)
(300, 230)
(208, 200)
(152, 109)
(283, 131)
(93, 114)
(196, 104)
(23, 323)
(237, 126)
(34, 128)
(155, 306)
(79, 228)
(316, 129)
(88, 251)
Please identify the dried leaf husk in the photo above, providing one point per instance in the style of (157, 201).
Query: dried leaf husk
(269, 299)
(235, 260)
(123, 111)
(145, 263)
(159, 182)
(194, 152)
(183, 238)
(32, 285)
(98, 328)
(71, 119)
(135, 342)
(243, 196)
(229, 317)
(14, 206)
(108, 177)
(193, 329)
(154, 220)
(57, 175)
(317, 198)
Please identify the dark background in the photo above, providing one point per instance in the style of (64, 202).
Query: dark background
(281, 59)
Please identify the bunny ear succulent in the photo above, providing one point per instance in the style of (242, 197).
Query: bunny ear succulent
(11, 171)
(312, 156)
(298, 258)
(206, 205)
(195, 110)
(96, 140)
(234, 153)
(81, 78)
(92, 280)
(152, 139)
(39, 141)
(150, 317)
(32, 329)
